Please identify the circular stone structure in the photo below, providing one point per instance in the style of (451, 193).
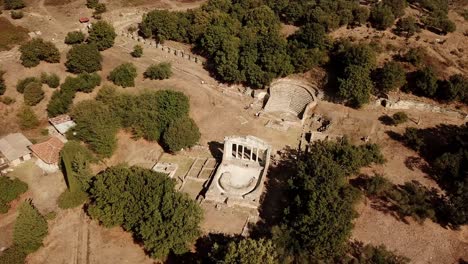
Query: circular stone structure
(291, 97)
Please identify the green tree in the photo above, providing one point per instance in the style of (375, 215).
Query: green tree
(415, 56)
(2, 83)
(374, 254)
(159, 71)
(36, 50)
(96, 126)
(102, 34)
(355, 86)
(13, 4)
(137, 51)
(318, 220)
(425, 82)
(12, 255)
(147, 205)
(75, 162)
(52, 80)
(407, 26)
(381, 16)
(33, 93)
(455, 88)
(10, 189)
(361, 15)
(84, 58)
(390, 77)
(399, 118)
(60, 101)
(181, 133)
(99, 9)
(247, 251)
(123, 75)
(92, 3)
(21, 84)
(74, 37)
(16, 14)
(30, 228)
(397, 6)
(27, 118)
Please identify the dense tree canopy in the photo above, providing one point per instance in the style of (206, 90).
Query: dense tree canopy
(10, 189)
(30, 228)
(84, 58)
(181, 133)
(159, 71)
(74, 37)
(33, 93)
(246, 251)
(96, 126)
(123, 75)
(145, 203)
(27, 118)
(102, 34)
(37, 50)
(13, 4)
(390, 77)
(318, 220)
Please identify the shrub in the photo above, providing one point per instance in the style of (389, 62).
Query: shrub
(381, 17)
(92, 3)
(413, 199)
(36, 50)
(100, 8)
(74, 37)
(124, 75)
(50, 215)
(33, 93)
(367, 254)
(87, 82)
(355, 86)
(181, 133)
(2, 83)
(70, 199)
(84, 58)
(7, 100)
(30, 228)
(13, 255)
(455, 88)
(52, 80)
(390, 77)
(60, 102)
(21, 85)
(407, 26)
(245, 250)
(399, 118)
(17, 14)
(377, 185)
(102, 34)
(9, 191)
(425, 82)
(27, 118)
(13, 4)
(415, 56)
(137, 51)
(159, 71)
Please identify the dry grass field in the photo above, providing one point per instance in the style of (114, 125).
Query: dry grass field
(74, 238)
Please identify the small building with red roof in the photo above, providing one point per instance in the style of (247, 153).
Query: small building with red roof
(48, 154)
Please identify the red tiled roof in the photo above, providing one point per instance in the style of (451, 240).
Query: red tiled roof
(59, 119)
(48, 151)
(84, 19)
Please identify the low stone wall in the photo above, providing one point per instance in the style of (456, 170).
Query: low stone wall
(152, 43)
(406, 104)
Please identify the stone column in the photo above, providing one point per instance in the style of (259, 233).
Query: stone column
(227, 150)
(243, 148)
(257, 155)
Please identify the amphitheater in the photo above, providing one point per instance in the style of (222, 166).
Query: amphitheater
(291, 100)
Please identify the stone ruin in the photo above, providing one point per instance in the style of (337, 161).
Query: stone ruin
(240, 177)
(169, 169)
(291, 100)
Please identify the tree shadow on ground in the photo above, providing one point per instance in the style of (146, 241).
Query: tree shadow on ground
(203, 248)
(274, 200)
(386, 120)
